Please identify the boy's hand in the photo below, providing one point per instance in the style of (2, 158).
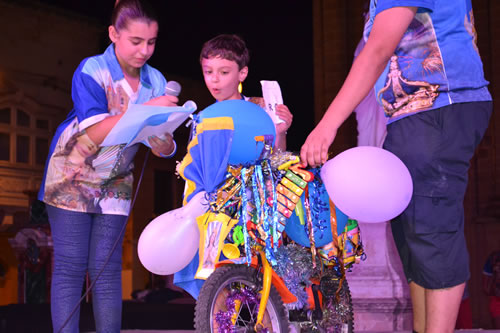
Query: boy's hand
(284, 114)
(162, 147)
(165, 100)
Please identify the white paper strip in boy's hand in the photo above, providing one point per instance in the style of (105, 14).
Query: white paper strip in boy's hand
(272, 96)
(142, 121)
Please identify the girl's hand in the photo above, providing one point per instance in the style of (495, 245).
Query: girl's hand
(166, 100)
(284, 114)
(162, 147)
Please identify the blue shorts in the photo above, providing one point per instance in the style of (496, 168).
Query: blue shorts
(437, 147)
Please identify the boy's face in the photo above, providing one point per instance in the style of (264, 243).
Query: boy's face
(222, 77)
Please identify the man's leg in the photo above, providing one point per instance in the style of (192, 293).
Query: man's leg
(441, 307)
(417, 294)
(437, 147)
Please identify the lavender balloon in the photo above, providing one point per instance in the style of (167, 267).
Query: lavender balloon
(368, 184)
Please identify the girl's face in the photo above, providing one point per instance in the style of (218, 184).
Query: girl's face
(135, 44)
(222, 77)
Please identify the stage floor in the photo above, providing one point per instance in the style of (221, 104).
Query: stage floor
(458, 331)
(173, 317)
(191, 331)
(477, 330)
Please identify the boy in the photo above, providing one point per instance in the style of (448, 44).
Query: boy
(224, 62)
(434, 93)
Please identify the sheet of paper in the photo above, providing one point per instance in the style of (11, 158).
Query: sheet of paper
(142, 121)
(271, 92)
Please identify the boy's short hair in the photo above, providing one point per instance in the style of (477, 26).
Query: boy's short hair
(229, 47)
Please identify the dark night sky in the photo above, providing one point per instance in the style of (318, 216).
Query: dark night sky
(278, 34)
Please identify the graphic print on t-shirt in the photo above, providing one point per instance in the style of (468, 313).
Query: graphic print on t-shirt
(415, 72)
(83, 166)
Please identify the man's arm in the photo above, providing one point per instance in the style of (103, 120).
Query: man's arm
(388, 30)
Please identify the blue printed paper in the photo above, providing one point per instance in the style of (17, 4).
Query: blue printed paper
(142, 121)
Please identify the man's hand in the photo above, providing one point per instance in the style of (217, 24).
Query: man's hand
(314, 152)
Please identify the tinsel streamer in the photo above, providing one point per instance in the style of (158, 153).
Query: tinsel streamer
(310, 226)
(274, 210)
(295, 268)
(318, 206)
(256, 194)
(333, 222)
(336, 267)
(232, 204)
(336, 313)
(279, 158)
(212, 196)
(247, 297)
(244, 214)
(260, 201)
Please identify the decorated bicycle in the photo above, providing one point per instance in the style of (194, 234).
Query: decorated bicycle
(273, 248)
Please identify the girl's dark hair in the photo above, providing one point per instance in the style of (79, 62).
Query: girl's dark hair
(230, 47)
(126, 10)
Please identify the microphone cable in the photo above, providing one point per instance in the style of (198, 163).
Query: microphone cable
(112, 249)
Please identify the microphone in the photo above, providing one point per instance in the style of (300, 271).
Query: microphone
(173, 88)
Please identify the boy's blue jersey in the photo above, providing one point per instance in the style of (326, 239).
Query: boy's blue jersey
(437, 62)
(102, 182)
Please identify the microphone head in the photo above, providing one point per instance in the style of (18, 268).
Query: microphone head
(173, 88)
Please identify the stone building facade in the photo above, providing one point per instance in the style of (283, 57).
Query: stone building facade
(41, 48)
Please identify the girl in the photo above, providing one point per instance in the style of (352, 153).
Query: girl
(86, 221)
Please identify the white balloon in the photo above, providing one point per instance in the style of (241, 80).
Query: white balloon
(368, 184)
(170, 241)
